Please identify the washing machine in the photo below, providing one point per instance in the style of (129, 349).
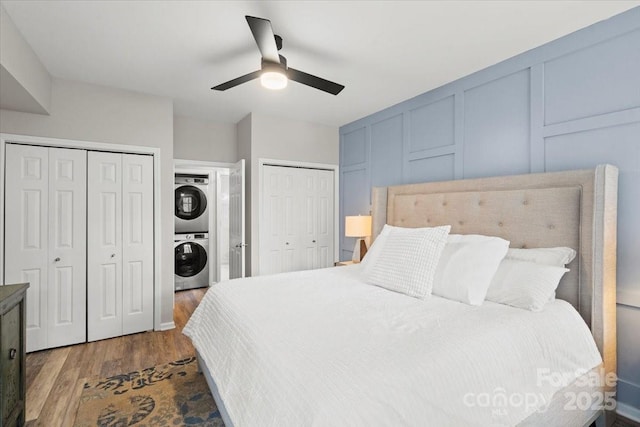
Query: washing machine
(191, 255)
(191, 204)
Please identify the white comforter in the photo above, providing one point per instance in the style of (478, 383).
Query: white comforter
(322, 348)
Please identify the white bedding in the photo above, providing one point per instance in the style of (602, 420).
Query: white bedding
(320, 348)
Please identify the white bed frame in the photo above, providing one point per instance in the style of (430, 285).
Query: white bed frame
(577, 209)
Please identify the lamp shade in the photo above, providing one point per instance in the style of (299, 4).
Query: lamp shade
(357, 226)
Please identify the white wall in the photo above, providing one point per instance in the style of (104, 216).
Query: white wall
(95, 113)
(195, 139)
(25, 84)
(282, 139)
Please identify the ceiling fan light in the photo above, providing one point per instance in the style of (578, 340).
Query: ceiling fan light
(274, 80)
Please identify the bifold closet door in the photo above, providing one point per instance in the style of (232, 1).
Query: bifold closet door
(45, 240)
(297, 232)
(316, 228)
(137, 243)
(324, 219)
(104, 245)
(120, 244)
(281, 211)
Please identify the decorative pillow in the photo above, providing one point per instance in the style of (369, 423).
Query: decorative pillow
(559, 257)
(525, 284)
(376, 248)
(467, 265)
(408, 259)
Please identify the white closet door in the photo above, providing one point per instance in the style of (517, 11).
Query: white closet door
(67, 284)
(45, 243)
(280, 240)
(104, 245)
(271, 240)
(289, 239)
(137, 243)
(307, 225)
(236, 221)
(324, 221)
(26, 232)
(297, 224)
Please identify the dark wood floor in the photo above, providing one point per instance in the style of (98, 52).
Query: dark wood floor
(55, 378)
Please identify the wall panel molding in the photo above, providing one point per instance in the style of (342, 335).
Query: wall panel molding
(459, 135)
(492, 122)
(433, 152)
(615, 118)
(536, 138)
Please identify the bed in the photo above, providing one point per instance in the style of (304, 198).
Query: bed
(272, 357)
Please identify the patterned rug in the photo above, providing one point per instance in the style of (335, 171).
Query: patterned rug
(175, 394)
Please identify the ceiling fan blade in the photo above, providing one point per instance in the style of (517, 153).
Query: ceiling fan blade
(313, 81)
(238, 81)
(265, 39)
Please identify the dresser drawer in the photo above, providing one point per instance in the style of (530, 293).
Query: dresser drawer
(11, 366)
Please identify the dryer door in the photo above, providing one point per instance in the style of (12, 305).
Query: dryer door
(191, 210)
(190, 258)
(191, 202)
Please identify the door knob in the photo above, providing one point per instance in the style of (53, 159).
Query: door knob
(286, 243)
(57, 259)
(113, 255)
(313, 241)
(12, 353)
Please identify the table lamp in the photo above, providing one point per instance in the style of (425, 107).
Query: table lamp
(360, 227)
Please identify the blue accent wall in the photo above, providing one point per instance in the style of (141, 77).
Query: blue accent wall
(572, 103)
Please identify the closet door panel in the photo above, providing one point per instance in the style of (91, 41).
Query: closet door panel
(67, 247)
(271, 255)
(307, 220)
(137, 243)
(324, 223)
(104, 245)
(26, 233)
(289, 179)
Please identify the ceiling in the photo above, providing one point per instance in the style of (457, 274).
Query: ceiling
(383, 51)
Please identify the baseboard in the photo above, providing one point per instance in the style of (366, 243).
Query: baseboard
(167, 325)
(628, 411)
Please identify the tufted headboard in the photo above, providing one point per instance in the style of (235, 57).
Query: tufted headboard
(577, 209)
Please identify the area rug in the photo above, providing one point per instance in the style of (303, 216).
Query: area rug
(175, 394)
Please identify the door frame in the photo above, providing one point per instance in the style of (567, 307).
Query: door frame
(211, 169)
(100, 146)
(307, 165)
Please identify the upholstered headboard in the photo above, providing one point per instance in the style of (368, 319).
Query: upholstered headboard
(577, 209)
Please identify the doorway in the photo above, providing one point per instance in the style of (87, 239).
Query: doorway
(217, 257)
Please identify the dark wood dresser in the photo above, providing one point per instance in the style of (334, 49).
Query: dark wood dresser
(12, 354)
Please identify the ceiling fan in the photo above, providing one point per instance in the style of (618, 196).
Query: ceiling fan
(274, 72)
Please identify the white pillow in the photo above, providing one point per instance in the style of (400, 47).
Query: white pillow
(376, 248)
(408, 259)
(559, 257)
(467, 265)
(525, 284)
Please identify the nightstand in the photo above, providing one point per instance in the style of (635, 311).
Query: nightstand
(12, 354)
(343, 263)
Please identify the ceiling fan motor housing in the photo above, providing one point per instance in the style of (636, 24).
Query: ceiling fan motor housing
(267, 65)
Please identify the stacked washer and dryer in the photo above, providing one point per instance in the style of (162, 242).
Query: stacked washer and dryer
(191, 242)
